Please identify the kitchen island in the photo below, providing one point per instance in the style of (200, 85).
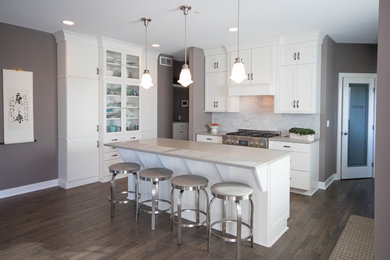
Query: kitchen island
(266, 171)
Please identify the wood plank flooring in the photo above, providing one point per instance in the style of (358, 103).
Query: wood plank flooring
(76, 224)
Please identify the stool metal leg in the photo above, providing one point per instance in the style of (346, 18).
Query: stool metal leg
(251, 221)
(208, 213)
(172, 208)
(136, 196)
(112, 186)
(224, 216)
(238, 207)
(197, 205)
(208, 225)
(154, 189)
(179, 224)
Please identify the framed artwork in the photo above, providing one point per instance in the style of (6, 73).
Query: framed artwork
(18, 106)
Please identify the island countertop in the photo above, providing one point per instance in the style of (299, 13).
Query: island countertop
(239, 156)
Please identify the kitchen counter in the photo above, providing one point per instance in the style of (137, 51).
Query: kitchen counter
(219, 133)
(266, 171)
(292, 140)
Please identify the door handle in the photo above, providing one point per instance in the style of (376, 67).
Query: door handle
(345, 133)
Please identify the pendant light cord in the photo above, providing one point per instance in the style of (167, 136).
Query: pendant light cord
(146, 45)
(185, 37)
(238, 32)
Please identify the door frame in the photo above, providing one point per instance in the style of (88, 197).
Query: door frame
(341, 77)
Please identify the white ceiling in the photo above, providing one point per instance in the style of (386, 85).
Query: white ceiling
(352, 21)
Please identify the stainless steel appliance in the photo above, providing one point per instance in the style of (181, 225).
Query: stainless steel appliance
(251, 138)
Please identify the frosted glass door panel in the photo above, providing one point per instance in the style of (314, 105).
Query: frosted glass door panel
(132, 107)
(113, 64)
(358, 125)
(132, 66)
(113, 107)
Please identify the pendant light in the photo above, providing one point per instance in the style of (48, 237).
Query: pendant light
(238, 70)
(146, 80)
(185, 74)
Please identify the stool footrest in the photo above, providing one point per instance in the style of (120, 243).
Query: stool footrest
(230, 239)
(125, 200)
(188, 224)
(142, 203)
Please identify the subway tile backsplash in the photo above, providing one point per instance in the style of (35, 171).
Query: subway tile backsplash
(257, 112)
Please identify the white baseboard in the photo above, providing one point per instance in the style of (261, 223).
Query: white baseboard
(328, 182)
(71, 184)
(28, 188)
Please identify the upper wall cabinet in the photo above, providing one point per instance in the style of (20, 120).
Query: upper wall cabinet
(216, 63)
(300, 74)
(259, 64)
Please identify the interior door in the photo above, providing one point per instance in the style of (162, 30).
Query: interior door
(358, 127)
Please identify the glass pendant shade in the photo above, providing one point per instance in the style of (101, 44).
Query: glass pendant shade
(238, 71)
(146, 80)
(185, 76)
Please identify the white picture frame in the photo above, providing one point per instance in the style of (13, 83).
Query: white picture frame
(18, 106)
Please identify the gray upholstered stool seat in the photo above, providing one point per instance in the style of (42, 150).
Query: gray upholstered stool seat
(231, 191)
(236, 192)
(154, 175)
(121, 168)
(189, 183)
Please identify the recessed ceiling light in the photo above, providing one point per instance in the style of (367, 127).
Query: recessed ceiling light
(155, 45)
(67, 22)
(233, 29)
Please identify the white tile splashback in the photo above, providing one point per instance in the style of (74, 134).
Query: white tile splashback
(257, 112)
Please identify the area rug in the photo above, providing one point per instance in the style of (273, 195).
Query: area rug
(356, 241)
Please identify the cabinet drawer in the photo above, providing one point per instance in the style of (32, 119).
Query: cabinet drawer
(112, 156)
(287, 146)
(300, 180)
(209, 139)
(177, 126)
(108, 149)
(300, 161)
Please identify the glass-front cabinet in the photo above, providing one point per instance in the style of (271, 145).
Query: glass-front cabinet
(122, 107)
(121, 65)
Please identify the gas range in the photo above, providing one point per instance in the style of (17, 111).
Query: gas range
(251, 138)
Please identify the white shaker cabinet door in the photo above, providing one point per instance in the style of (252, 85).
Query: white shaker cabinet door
(305, 89)
(262, 65)
(216, 63)
(287, 90)
(81, 60)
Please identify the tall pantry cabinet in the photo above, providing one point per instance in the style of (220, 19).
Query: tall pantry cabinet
(77, 109)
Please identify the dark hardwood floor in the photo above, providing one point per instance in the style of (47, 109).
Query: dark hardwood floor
(76, 224)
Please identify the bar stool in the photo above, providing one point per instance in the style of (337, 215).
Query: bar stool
(187, 183)
(121, 168)
(232, 191)
(154, 175)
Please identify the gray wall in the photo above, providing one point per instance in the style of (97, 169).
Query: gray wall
(356, 58)
(30, 50)
(328, 135)
(164, 100)
(198, 119)
(382, 180)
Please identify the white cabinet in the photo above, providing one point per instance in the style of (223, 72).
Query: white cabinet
(298, 53)
(77, 109)
(300, 74)
(215, 63)
(209, 138)
(304, 165)
(297, 93)
(259, 65)
(216, 87)
(128, 112)
(180, 130)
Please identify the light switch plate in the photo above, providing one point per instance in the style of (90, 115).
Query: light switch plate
(327, 123)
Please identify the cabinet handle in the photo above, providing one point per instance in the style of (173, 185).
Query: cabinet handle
(252, 76)
(209, 139)
(114, 155)
(214, 65)
(298, 55)
(114, 139)
(297, 103)
(286, 146)
(132, 138)
(217, 65)
(294, 104)
(249, 76)
(217, 104)
(97, 128)
(295, 56)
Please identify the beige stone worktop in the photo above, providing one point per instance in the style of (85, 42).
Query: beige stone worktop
(232, 155)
